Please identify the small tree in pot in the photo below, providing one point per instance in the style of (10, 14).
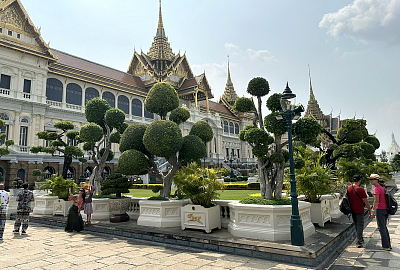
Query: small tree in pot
(59, 186)
(117, 184)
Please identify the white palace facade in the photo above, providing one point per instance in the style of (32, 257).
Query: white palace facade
(40, 86)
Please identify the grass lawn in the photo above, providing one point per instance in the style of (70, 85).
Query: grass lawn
(225, 195)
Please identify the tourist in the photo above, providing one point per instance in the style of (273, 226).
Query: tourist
(88, 209)
(24, 199)
(380, 209)
(74, 219)
(5, 198)
(358, 198)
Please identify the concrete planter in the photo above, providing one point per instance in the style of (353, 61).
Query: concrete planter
(101, 209)
(320, 213)
(267, 222)
(160, 214)
(14, 191)
(198, 217)
(44, 205)
(334, 201)
(118, 208)
(61, 207)
(12, 207)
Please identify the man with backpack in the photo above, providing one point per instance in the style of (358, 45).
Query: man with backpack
(358, 198)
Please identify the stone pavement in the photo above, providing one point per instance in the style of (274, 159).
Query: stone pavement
(371, 257)
(51, 248)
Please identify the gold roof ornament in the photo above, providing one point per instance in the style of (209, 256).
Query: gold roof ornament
(229, 97)
(160, 48)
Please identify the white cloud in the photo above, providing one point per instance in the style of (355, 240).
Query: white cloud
(369, 20)
(250, 54)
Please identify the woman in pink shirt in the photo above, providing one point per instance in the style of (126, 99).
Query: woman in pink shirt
(381, 210)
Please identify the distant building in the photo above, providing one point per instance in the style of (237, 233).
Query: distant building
(40, 86)
(393, 149)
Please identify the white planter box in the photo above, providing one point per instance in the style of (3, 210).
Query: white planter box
(44, 205)
(12, 207)
(14, 191)
(37, 192)
(101, 209)
(61, 207)
(267, 222)
(198, 217)
(320, 213)
(334, 201)
(160, 214)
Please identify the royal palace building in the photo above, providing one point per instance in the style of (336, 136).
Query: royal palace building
(40, 86)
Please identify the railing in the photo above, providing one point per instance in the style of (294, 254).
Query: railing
(27, 96)
(5, 92)
(134, 207)
(53, 103)
(74, 107)
(225, 211)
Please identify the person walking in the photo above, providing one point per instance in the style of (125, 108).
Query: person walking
(380, 208)
(358, 198)
(24, 199)
(5, 198)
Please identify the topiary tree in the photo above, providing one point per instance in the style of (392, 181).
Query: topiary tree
(60, 146)
(106, 124)
(140, 145)
(4, 151)
(395, 163)
(265, 137)
(116, 184)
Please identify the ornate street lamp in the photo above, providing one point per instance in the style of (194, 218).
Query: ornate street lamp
(291, 112)
(231, 158)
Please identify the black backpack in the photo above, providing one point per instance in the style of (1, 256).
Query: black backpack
(391, 203)
(345, 206)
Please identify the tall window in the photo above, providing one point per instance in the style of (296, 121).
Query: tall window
(74, 94)
(110, 98)
(148, 115)
(238, 153)
(5, 81)
(71, 142)
(4, 130)
(136, 107)
(91, 93)
(27, 86)
(231, 129)
(227, 152)
(236, 129)
(123, 104)
(23, 136)
(49, 172)
(54, 90)
(71, 173)
(226, 128)
(21, 174)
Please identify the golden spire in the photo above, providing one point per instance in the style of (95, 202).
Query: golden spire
(160, 48)
(313, 109)
(229, 95)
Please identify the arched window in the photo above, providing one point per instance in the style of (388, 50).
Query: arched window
(106, 172)
(226, 128)
(123, 104)
(148, 115)
(236, 129)
(74, 94)
(71, 173)
(21, 174)
(4, 129)
(110, 98)
(136, 107)
(2, 174)
(54, 90)
(91, 93)
(49, 172)
(231, 129)
(88, 172)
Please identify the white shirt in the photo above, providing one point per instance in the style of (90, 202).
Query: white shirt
(5, 198)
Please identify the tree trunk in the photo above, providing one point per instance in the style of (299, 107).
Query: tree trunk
(167, 180)
(261, 122)
(262, 177)
(67, 164)
(279, 181)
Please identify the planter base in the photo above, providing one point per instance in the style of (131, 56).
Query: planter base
(119, 218)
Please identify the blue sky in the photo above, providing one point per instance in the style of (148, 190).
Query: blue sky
(352, 47)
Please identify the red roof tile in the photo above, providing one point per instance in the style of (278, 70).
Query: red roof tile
(86, 65)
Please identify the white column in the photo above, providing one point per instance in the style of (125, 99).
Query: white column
(16, 128)
(32, 130)
(41, 128)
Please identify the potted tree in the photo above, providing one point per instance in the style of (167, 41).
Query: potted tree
(313, 181)
(117, 184)
(56, 202)
(17, 183)
(200, 186)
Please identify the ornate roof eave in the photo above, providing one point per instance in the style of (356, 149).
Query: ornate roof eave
(47, 54)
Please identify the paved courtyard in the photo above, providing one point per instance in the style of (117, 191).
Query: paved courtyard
(52, 248)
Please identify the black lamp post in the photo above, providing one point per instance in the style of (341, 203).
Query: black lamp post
(231, 158)
(292, 112)
(82, 177)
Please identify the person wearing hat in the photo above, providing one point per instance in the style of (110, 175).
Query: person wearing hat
(380, 208)
(358, 198)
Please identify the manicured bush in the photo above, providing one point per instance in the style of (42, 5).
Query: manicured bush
(114, 117)
(133, 162)
(179, 115)
(91, 133)
(116, 184)
(161, 99)
(202, 130)
(132, 138)
(95, 110)
(263, 201)
(192, 149)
